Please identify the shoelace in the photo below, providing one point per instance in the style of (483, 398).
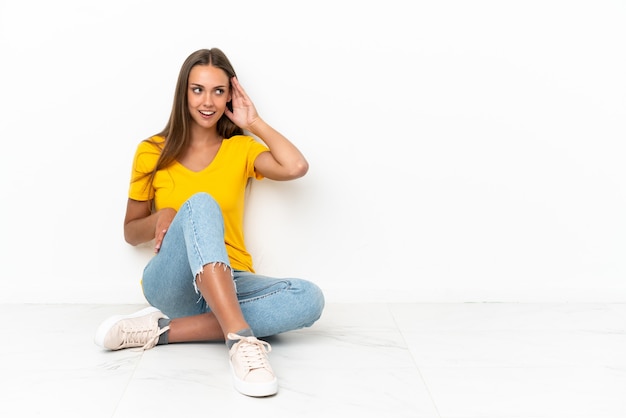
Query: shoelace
(132, 337)
(251, 351)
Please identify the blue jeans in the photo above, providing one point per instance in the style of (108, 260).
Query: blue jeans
(194, 239)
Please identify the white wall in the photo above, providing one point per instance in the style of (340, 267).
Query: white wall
(459, 150)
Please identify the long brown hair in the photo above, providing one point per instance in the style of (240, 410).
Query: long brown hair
(176, 132)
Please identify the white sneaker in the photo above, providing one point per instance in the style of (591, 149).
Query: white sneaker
(252, 373)
(139, 329)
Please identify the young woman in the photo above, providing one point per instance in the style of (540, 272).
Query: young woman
(187, 194)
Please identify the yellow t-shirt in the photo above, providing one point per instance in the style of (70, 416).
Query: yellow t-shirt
(225, 179)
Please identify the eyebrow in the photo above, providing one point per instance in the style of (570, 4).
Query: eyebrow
(200, 85)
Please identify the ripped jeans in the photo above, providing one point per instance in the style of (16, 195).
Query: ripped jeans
(194, 239)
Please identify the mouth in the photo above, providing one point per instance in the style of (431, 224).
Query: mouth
(206, 113)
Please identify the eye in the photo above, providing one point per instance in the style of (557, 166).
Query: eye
(196, 90)
(219, 92)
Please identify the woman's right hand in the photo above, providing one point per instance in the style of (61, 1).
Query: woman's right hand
(165, 217)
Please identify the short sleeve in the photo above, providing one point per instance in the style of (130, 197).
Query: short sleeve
(255, 148)
(144, 161)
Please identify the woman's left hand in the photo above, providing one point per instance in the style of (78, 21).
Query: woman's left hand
(244, 113)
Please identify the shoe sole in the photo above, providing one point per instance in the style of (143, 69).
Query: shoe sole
(257, 390)
(104, 328)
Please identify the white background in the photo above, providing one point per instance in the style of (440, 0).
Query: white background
(459, 150)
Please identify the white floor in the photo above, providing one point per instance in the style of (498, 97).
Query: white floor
(388, 360)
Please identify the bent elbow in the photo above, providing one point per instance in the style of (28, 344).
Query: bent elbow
(300, 170)
(130, 238)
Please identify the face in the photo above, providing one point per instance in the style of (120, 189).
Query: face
(207, 94)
